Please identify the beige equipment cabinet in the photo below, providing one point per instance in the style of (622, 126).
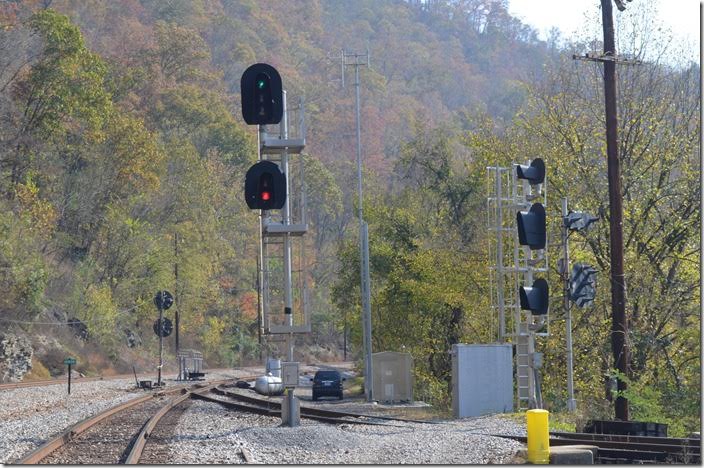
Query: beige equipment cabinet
(393, 377)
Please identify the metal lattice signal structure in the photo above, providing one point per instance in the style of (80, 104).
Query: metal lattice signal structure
(282, 275)
(512, 266)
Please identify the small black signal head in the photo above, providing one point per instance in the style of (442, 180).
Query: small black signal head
(532, 227)
(534, 173)
(163, 300)
(535, 298)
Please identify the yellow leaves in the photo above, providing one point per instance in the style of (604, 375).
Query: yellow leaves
(213, 336)
(134, 153)
(40, 215)
(99, 311)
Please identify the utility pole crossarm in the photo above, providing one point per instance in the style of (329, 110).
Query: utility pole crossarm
(606, 58)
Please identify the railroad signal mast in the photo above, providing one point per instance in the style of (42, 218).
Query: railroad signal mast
(273, 183)
(578, 286)
(162, 327)
(516, 196)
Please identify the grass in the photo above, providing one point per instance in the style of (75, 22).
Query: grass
(38, 372)
(354, 387)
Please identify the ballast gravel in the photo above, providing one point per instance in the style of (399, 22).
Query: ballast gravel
(31, 415)
(208, 433)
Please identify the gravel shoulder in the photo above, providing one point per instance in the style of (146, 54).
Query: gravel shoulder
(207, 433)
(31, 415)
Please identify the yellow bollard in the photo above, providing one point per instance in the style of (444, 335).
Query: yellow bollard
(538, 436)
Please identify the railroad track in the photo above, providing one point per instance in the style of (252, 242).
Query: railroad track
(117, 435)
(267, 407)
(43, 383)
(624, 449)
(138, 431)
(77, 380)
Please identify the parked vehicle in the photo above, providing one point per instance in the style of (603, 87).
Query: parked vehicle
(327, 383)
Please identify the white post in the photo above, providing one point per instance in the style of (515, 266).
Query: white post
(286, 213)
(290, 419)
(500, 257)
(571, 402)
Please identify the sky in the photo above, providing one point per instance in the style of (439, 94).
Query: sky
(680, 16)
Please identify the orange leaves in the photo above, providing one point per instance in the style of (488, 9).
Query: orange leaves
(248, 305)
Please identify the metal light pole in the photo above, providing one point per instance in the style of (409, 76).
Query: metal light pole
(363, 233)
(286, 214)
(288, 292)
(571, 402)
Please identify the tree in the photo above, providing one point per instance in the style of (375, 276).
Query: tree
(658, 121)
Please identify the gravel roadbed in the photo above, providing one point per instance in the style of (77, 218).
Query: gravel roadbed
(208, 433)
(31, 415)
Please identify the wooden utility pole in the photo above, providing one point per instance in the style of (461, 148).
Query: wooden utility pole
(619, 325)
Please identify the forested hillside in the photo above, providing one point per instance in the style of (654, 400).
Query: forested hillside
(123, 152)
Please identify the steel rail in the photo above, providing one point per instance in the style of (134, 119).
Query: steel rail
(306, 410)
(677, 441)
(44, 450)
(63, 380)
(277, 412)
(141, 440)
(629, 450)
(143, 436)
(44, 383)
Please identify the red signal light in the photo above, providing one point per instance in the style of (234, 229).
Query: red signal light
(266, 196)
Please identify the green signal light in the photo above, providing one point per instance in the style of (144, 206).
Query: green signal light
(261, 84)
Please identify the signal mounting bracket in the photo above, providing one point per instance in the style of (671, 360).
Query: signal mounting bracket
(280, 229)
(279, 145)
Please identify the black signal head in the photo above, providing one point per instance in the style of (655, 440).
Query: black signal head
(534, 173)
(262, 95)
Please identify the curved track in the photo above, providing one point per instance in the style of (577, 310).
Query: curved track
(273, 408)
(117, 435)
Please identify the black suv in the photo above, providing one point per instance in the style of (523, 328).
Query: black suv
(327, 383)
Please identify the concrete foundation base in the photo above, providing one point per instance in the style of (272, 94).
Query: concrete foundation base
(573, 454)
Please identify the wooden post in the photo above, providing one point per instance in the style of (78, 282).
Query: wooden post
(619, 324)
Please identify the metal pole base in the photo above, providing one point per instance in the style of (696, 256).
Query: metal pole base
(572, 405)
(290, 410)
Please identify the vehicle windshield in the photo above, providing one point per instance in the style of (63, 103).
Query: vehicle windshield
(327, 375)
